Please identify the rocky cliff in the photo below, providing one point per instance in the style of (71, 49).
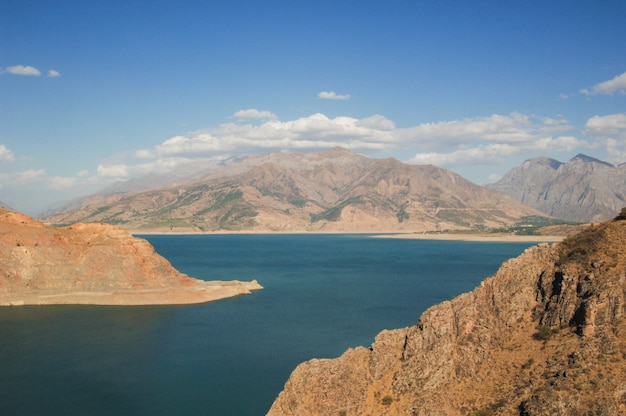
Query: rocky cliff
(92, 264)
(584, 189)
(546, 335)
(334, 190)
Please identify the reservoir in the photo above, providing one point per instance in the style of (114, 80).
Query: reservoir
(322, 294)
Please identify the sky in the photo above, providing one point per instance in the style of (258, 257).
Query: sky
(94, 92)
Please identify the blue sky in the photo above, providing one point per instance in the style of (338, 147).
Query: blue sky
(97, 91)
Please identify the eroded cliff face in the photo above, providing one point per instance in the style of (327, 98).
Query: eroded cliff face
(92, 263)
(545, 335)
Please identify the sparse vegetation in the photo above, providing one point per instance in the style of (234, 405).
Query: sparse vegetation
(387, 400)
(402, 214)
(543, 333)
(581, 246)
(221, 200)
(531, 224)
(490, 410)
(297, 202)
(622, 215)
(334, 213)
(528, 364)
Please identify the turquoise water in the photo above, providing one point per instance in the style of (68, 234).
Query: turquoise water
(323, 294)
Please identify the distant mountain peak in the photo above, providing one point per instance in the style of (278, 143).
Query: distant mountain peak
(583, 189)
(544, 161)
(584, 158)
(337, 151)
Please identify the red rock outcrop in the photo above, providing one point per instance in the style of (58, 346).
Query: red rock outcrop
(93, 264)
(546, 335)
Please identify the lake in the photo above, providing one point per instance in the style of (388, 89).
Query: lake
(322, 294)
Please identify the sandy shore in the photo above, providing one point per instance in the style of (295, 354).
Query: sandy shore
(493, 237)
(499, 238)
(198, 293)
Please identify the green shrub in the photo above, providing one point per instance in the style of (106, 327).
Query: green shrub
(543, 333)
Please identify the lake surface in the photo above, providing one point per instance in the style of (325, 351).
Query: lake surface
(323, 294)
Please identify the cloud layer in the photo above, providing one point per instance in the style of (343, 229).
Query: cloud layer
(453, 143)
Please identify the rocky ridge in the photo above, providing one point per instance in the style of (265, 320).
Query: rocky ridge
(334, 190)
(545, 335)
(584, 189)
(93, 264)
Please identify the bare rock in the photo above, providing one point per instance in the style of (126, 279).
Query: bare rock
(583, 189)
(94, 264)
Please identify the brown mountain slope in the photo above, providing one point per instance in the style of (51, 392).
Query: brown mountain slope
(334, 190)
(92, 264)
(546, 335)
(584, 189)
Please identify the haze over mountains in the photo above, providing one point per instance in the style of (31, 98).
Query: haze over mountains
(584, 189)
(333, 190)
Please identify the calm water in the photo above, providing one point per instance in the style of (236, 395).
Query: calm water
(323, 294)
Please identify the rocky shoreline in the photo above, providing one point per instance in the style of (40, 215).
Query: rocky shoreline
(199, 292)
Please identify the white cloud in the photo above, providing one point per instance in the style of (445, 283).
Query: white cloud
(512, 128)
(53, 74)
(316, 131)
(119, 171)
(488, 140)
(23, 70)
(447, 143)
(6, 155)
(495, 153)
(62, 182)
(255, 114)
(20, 178)
(616, 150)
(610, 133)
(617, 84)
(377, 122)
(332, 95)
(484, 154)
(113, 171)
(610, 125)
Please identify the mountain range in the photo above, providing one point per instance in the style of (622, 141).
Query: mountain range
(332, 190)
(583, 190)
